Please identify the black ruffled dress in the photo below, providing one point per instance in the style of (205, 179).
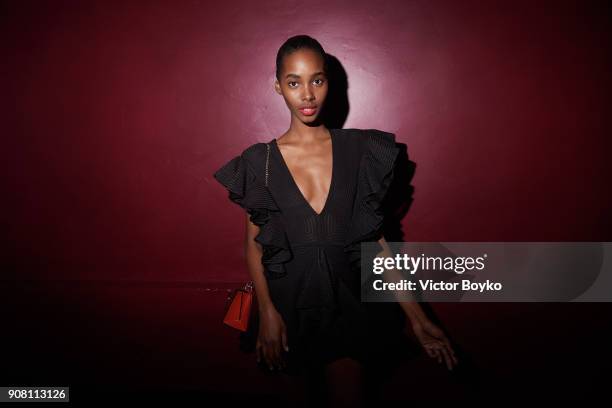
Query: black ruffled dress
(312, 261)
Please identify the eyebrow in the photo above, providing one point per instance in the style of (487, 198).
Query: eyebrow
(297, 76)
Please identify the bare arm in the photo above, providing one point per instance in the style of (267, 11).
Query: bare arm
(272, 336)
(431, 337)
(253, 253)
(412, 308)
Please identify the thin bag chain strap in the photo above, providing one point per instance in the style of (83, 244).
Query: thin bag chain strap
(250, 285)
(267, 162)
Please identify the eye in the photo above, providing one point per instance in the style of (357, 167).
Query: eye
(291, 82)
(322, 81)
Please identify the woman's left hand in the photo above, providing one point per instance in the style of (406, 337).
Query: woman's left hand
(435, 342)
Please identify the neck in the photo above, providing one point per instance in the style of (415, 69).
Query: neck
(300, 132)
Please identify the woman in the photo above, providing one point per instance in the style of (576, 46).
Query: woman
(312, 196)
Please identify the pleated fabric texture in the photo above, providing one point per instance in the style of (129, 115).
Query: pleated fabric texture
(250, 192)
(376, 172)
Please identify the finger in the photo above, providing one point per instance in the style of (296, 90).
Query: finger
(439, 355)
(433, 353)
(285, 345)
(264, 355)
(258, 351)
(428, 349)
(452, 353)
(279, 355)
(448, 346)
(275, 352)
(284, 340)
(447, 358)
(268, 357)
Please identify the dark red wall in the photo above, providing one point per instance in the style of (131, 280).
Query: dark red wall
(116, 114)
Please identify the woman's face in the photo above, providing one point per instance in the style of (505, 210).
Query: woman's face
(303, 84)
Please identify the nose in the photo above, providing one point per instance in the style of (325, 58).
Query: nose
(308, 94)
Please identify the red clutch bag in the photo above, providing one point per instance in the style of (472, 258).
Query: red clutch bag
(239, 311)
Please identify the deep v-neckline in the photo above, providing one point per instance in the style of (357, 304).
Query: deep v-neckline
(297, 187)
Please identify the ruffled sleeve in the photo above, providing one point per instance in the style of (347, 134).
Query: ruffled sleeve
(240, 177)
(376, 171)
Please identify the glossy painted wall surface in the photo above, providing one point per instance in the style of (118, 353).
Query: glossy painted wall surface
(116, 114)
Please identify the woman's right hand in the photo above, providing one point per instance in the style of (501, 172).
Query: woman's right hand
(272, 338)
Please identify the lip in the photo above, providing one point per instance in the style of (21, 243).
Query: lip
(308, 110)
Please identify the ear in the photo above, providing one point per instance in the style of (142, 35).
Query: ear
(277, 87)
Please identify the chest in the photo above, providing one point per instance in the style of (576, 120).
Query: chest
(316, 184)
